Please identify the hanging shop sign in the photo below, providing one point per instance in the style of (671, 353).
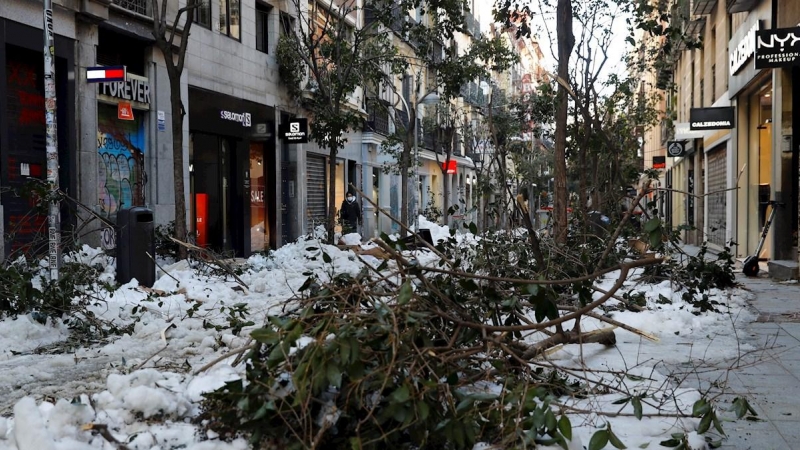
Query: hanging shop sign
(744, 49)
(711, 118)
(450, 167)
(659, 162)
(134, 89)
(106, 74)
(676, 149)
(777, 48)
(294, 131)
(124, 111)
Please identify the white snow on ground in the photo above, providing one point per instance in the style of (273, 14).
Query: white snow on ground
(141, 385)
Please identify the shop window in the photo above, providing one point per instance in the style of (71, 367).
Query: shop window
(121, 166)
(230, 18)
(259, 220)
(202, 14)
(262, 27)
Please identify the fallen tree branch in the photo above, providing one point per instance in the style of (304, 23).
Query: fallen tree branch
(223, 357)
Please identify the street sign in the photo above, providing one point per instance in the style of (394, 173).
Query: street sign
(676, 149)
(659, 162)
(106, 74)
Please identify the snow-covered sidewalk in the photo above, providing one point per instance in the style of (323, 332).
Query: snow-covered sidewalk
(142, 386)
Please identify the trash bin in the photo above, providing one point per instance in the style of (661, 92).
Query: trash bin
(136, 246)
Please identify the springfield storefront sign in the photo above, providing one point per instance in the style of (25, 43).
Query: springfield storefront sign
(777, 48)
(711, 118)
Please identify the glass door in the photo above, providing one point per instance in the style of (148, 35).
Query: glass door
(259, 219)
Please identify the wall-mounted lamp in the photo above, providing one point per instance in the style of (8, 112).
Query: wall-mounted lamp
(763, 126)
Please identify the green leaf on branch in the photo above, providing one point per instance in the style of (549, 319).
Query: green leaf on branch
(598, 440)
(565, 427)
(636, 402)
(404, 296)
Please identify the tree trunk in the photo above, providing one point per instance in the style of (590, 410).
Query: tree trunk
(405, 167)
(446, 195)
(177, 158)
(331, 192)
(566, 41)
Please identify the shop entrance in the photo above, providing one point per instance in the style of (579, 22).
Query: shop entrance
(220, 206)
(262, 198)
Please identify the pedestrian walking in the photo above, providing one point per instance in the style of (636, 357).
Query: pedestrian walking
(350, 214)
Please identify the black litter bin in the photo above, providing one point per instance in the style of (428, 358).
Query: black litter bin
(136, 246)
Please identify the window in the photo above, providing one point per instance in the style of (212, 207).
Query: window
(202, 14)
(229, 18)
(287, 24)
(262, 27)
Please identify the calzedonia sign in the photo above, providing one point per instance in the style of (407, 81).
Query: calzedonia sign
(777, 48)
(711, 118)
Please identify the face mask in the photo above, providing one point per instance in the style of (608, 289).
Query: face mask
(350, 199)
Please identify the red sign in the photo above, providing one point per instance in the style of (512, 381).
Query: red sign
(124, 111)
(659, 162)
(449, 166)
(201, 211)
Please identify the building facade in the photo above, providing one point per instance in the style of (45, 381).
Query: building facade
(733, 120)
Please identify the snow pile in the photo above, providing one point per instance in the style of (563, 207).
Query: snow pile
(142, 386)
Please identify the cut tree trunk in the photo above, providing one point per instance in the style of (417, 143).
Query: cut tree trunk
(603, 336)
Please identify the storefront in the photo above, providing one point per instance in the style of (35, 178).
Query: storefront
(232, 167)
(751, 91)
(23, 133)
(122, 114)
(777, 52)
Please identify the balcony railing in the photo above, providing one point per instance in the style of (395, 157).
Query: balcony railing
(737, 6)
(473, 94)
(472, 25)
(136, 6)
(377, 120)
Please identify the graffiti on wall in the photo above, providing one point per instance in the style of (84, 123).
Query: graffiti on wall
(121, 174)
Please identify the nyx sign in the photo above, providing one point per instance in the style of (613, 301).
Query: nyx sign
(777, 48)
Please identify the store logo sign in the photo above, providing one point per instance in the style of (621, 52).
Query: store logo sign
(676, 149)
(243, 118)
(295, 131)
(777, 48)
(132, 90)
(711, 118)
(744, 49)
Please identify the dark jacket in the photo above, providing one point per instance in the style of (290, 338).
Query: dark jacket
(350, 213)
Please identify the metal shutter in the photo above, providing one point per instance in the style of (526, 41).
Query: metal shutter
(317, 188)
(717, 204)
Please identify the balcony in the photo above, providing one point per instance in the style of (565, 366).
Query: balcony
(428, 141)
(703, 7)
(135, 6)
(667, 131)
(401, 119)
(737, 6)
(471, 25)
(473, 94)
(377, 118)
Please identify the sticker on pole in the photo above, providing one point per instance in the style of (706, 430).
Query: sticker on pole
(124, 111)
(106, 74)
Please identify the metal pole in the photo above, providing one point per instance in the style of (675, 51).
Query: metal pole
(54, 230)
(417, 198)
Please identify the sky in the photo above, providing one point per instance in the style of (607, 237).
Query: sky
(543, 24)
(146, 386)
